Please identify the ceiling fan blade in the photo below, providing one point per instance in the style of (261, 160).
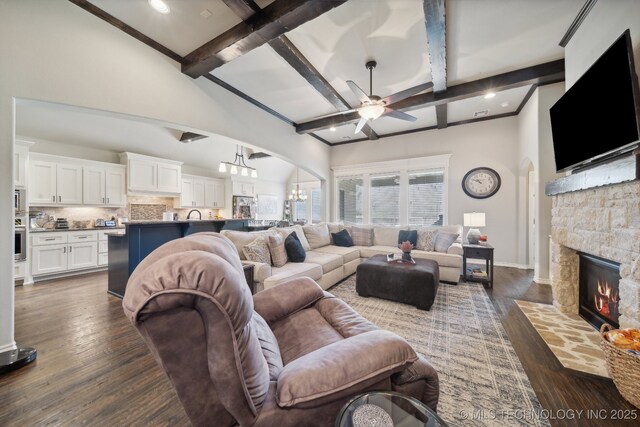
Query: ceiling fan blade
(362, 95)
(388, 112)
(361, 124)
(403, 94)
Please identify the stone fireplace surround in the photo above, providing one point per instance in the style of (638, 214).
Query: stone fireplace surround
(602, 221)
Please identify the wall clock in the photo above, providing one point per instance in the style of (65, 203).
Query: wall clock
(481, 183)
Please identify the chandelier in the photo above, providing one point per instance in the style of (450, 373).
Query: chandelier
(238, 164)
(297, 195)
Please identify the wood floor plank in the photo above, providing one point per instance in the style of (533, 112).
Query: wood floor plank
(94, 369)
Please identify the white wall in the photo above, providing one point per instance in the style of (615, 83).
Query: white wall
(54, 51)
(492, 143)
(605, 23)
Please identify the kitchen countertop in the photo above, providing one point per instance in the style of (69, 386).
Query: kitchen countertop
(180, 221)
(48, 230)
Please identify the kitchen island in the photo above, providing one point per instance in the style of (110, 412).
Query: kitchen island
(143, 237)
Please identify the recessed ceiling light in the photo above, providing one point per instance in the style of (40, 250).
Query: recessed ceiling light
(504, 104)
(489, 95)
(160, 6)
(332, 128)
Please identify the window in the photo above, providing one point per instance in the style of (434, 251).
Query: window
(301, 208)
(350, 196)
(384, 199)
(425, 197)
(316, 205)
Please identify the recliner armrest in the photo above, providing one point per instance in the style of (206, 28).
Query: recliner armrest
(286, 298)
(342, 368)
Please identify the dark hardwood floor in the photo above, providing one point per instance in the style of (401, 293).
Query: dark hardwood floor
(94, 369)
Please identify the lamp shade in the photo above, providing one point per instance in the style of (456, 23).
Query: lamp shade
(474, 219)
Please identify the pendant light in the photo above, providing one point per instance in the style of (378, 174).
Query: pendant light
(238, 164)
(296, 194)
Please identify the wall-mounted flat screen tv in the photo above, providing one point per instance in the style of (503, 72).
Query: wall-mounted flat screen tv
(598, 117)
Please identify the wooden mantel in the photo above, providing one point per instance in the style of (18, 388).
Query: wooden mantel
(616, 171)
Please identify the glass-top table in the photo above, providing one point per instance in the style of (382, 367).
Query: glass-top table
(387, 408)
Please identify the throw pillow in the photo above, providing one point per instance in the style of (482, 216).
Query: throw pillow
(426, 237)
(443, 240)
(342, 238)
(317, 235)
(410, 235)
(257, 251)
(295, 251)
(334, 227)
(285, 231)
(277, 250)
(362, 236)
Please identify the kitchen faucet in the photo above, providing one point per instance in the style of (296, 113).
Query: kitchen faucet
(194, 210)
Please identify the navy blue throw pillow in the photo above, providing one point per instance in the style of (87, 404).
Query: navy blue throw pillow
(295, 251)
(342, 238)
(410, 235)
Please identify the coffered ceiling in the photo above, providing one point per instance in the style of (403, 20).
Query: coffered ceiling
(294, 57)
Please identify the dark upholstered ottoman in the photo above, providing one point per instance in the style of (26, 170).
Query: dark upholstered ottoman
(414, 284)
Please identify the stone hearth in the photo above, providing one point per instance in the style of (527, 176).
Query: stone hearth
(605, 222)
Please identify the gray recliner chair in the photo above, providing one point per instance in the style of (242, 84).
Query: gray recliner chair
(291, 355)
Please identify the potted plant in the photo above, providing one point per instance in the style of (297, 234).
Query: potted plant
(406, 248)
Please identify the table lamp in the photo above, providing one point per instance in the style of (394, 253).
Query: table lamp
(474, 219)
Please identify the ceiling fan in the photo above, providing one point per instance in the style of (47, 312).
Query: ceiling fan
(372, 106)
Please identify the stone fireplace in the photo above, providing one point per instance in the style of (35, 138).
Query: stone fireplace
(598, 290)
(605, 222)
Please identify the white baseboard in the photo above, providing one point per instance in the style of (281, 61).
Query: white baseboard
(541, 281)
(8, 347)
(512, 265)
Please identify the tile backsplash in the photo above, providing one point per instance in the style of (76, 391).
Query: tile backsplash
(81, 213)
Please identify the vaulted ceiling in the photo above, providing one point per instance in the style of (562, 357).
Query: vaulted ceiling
(293, 58)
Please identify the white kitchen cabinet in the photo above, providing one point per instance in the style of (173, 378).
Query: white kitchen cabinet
(82, 255)
(57, 252)
(19, 270)
(42, 183)
(169, 178)
(20, 156)
(215, 194)
(201, 192)
(48, 259)
(241, 188)
(104, 186)
(69, 184)
(152, 175)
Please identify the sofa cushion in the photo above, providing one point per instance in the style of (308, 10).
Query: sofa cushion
(295, 251)
(342, 238)
(260, 270)
(408, 235)
(327, 261)
(386, 236)
(321, 373)
(285, 231)
(317, 235)
(362, 236)
(369, 251)
(443, 240)
(348, 254)
(443, 260)
(426, 237)
(291, 270)
(334, 227)
(243, 238)
(277, 250)
(257, 251)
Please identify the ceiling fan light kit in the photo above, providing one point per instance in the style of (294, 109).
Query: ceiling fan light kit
(238, 162)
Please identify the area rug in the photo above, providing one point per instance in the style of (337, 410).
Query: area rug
(572, 340)
(482, 382)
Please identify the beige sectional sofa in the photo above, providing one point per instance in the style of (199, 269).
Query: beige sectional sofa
(327, 264)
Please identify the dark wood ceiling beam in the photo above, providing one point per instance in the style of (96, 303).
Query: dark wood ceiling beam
(276, 19)
(96, 11)
(434, 16)
(243, 9)
(547, 73)
(290, 53)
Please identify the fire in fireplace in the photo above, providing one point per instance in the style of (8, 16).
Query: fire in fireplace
(599, 279)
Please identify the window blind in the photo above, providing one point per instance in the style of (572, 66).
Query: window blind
(425, 197)
(350, 191)
(384, 199)
(316, 205)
